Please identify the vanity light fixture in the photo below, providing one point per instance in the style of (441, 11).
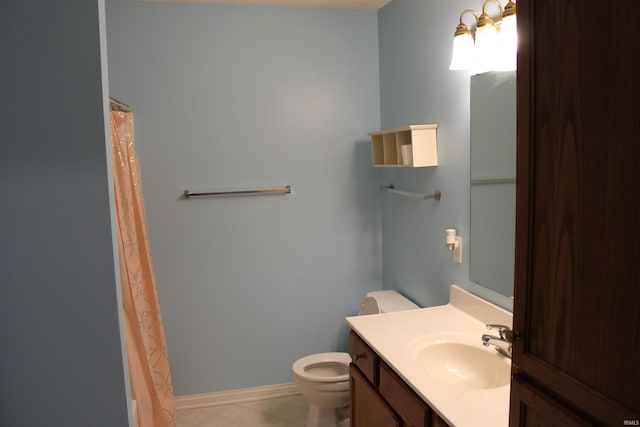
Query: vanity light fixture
(509, 38)
(491, 45)
(463, 45)
(487, 50)
(454, 244)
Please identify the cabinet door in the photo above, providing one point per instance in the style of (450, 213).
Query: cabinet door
(368, 409)
(533, 408)
(411, 408)
(577, 280)
(436, 421)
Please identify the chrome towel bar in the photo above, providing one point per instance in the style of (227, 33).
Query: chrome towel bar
(391, 189)
(188, 194)
(493, 181)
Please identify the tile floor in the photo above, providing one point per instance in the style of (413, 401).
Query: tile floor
(290, 411)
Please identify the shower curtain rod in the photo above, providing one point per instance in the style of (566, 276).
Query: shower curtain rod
(118, 106)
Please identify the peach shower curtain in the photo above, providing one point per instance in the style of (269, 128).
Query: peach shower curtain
(146, 345)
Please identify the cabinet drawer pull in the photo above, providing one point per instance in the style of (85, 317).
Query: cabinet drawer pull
(359, 356)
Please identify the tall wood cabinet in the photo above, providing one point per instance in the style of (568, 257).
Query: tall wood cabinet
(577, 279)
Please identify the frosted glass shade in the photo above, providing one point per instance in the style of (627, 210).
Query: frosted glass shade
(487, 49)
(508, 59)
(462, 56)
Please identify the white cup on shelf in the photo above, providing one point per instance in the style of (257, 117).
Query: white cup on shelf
(406, 152)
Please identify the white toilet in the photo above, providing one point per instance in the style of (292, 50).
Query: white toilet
(323, 378)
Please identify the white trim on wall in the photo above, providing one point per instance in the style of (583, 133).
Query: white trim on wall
(236, 396)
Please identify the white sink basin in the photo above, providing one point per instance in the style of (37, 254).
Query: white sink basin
(457, 359)
(466, 393)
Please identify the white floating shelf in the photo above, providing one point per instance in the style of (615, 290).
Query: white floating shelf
(386, 146)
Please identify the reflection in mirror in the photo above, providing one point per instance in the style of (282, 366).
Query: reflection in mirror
(493, 187)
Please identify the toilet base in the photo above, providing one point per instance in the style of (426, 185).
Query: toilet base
(327, 417)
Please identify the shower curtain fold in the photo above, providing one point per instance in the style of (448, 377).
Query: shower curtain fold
(146, 344)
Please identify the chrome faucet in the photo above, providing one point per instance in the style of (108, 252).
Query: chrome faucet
(502, 342)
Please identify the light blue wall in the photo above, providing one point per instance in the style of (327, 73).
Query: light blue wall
(232, 97)
(61, 362)
(416, 87)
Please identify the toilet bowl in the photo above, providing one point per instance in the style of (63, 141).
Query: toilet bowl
(323, 378)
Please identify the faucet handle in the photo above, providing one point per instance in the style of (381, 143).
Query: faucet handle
(506, 334)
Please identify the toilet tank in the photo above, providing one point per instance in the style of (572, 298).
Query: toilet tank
(377, 302)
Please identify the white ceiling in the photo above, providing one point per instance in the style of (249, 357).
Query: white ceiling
(332, 4)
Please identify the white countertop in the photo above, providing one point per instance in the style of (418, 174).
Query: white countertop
(390, 335)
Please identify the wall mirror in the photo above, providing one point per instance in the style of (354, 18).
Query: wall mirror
(493, 183)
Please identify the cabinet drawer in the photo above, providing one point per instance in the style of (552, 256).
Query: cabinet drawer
(363, 357)
(413, 411)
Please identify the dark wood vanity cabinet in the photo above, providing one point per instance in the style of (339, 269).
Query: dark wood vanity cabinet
(379, 397)
(577, 272)
(368, 408)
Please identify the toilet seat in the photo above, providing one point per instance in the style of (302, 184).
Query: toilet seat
(323, 367)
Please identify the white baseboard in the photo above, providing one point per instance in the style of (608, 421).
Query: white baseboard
(235, 396)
